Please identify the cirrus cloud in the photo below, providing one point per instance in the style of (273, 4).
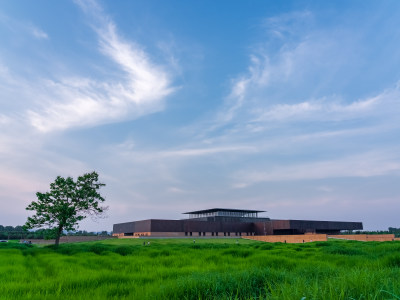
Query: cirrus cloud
(82, 101)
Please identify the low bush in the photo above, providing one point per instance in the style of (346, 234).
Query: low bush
(123, 250)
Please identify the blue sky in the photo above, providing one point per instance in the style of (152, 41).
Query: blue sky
(288, 107)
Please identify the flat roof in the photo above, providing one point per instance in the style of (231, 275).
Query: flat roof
(223, 209)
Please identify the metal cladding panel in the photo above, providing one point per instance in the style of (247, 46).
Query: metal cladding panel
(229, 219)
(143, 226)
(324, 225)
(266, 227)
(201, 226)
(223, 209)
(316, 225)
(129, 227)
(281, 224)
(124, 227)
(182, 226)
(263, 228)
(166, 226)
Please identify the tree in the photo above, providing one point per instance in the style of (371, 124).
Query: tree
(67, 203)
(19, 228)
(9, 228)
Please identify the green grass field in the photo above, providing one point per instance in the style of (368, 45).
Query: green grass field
(208, 269)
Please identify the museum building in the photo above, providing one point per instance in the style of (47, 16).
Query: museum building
(222, 222)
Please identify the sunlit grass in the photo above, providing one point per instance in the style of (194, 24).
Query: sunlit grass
(206, 269)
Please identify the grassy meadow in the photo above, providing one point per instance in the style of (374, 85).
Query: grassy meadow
(208, 269)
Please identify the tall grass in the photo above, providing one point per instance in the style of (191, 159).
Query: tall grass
(206, 269)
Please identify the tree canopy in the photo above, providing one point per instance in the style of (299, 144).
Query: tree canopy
(67, 203)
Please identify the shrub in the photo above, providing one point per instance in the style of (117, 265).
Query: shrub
(342, 250)
(393, 261)
(98, 248)
(123, 250)
(238, 253)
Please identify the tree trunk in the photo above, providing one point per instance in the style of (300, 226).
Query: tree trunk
(57, 240)
(59, 230)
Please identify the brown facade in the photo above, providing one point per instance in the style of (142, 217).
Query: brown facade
(258, 226)
(184, 228)
(285, 227)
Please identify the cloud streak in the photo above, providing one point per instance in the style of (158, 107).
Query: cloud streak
(27, 28)
(86, 102)
(292, 80)
(361, 165)
(38, 33)
(327, 109)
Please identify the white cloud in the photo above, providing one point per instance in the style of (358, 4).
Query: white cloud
(146, 81)
(207, 151)
(176, 190)
(127, 149)
(38, 33)
(21, 26)
(256, 88)
(326, 109)
(326, 189)
(288, 24)
(258, 75)
(292, 80)
(362, 165)
(3, 70)
(4, 120)
(86, 102)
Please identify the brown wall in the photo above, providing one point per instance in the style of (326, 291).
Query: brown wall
(263, 228)
(182, 226)
(303, 226)
(325, 225)
(182, 234)
(322, 237)
(290, 238)
(277, 227)
(364, 237)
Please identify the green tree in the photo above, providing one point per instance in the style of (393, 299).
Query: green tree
(67, 203)
(9, 228)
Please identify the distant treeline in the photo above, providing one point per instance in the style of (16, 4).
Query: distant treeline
(391, 230)
(19, 232)
(394, 230)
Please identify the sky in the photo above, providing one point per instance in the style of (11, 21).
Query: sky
(291, 107)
